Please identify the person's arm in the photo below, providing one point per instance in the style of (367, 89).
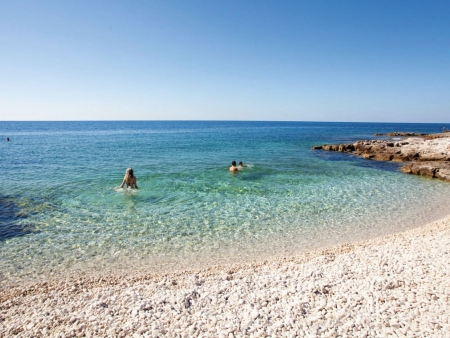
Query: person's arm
(123, 182)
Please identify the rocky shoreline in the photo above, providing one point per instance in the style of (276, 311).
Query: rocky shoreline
(424, 154)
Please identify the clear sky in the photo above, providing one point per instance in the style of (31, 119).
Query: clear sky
(377, 60)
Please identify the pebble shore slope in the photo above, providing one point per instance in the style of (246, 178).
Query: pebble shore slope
(397, 285)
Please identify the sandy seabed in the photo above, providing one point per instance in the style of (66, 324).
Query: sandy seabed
(398, 285)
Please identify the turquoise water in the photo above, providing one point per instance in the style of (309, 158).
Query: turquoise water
(61, 212)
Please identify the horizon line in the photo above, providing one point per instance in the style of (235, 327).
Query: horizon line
(201, 120)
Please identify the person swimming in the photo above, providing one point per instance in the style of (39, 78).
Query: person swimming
(233, 167)
(129, 180)
(241, 165)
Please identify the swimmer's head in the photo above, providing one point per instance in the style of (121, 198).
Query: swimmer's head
(241, 164)
(233, 163)
(129, 172)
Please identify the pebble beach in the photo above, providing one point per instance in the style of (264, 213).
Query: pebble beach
(396, 285)
(387, 286)
(123, 215)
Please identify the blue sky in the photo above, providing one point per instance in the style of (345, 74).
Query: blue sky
(386, 61)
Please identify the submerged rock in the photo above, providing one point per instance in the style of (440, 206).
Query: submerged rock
(9, 216)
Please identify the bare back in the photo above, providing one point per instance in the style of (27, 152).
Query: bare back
(131, 182)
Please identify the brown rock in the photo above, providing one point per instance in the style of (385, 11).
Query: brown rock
(437, 169)
(426, 155)
(346, 148)
(383, 157)
(426, 169)
(443, 174)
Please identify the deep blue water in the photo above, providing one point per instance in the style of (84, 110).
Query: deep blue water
(60, 210)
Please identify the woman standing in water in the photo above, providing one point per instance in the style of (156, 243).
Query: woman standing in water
(129, 180)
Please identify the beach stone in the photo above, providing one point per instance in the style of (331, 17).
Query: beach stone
(394, 285)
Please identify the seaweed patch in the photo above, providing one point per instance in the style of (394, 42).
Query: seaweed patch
(10, 215)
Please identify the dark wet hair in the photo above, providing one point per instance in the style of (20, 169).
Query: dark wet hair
(240, 163)
(233, 163)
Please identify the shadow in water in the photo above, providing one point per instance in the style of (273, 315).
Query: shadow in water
(252, 176)
(9, 215)
(335, 156)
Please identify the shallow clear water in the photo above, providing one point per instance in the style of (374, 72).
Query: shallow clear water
(61, 213)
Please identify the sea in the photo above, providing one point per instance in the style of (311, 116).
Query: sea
(61, 212)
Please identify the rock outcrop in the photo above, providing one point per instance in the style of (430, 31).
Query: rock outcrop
(445, 133)
(436, 169)
(400, 133)
(427, 155)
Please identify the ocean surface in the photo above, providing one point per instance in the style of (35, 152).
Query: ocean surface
(61, 212)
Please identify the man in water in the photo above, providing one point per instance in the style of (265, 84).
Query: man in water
(233, 167)
(241, 165)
